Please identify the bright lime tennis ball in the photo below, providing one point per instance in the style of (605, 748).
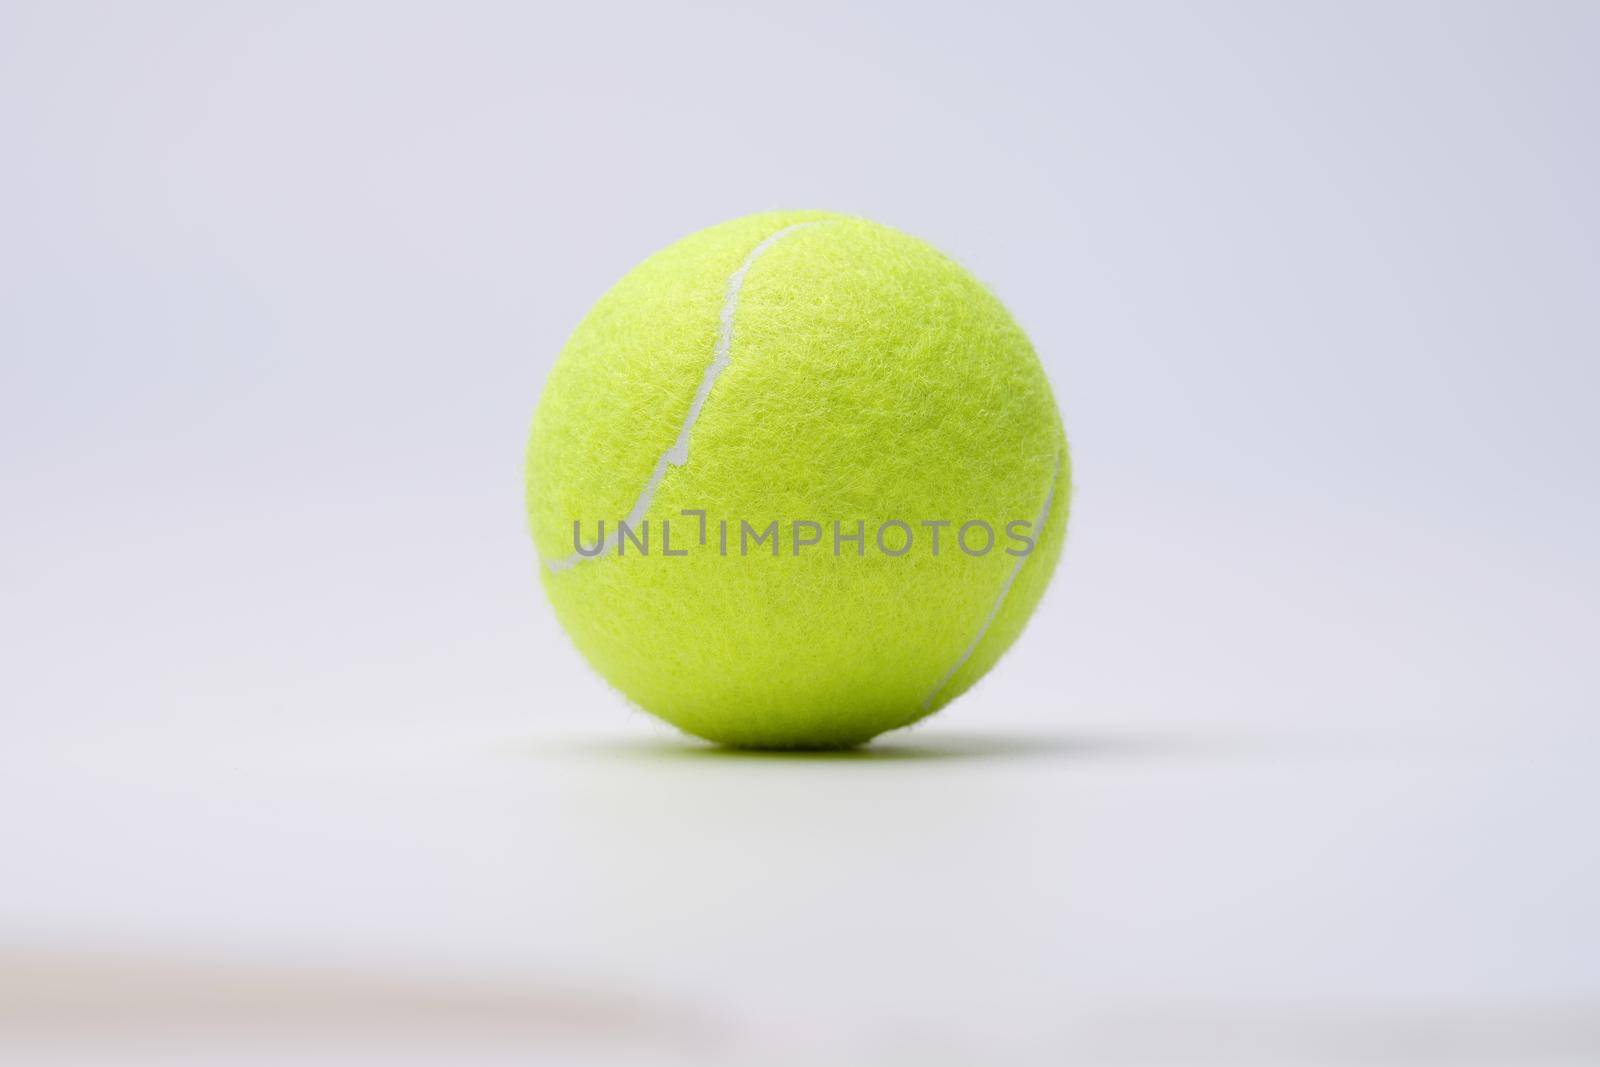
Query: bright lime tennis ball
(812, 420)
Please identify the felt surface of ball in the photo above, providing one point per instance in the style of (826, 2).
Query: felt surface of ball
(805, 375)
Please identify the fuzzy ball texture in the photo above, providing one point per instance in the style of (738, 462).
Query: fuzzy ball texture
(802, 369)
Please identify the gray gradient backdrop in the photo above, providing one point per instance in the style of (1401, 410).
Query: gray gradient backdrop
(1295, 764)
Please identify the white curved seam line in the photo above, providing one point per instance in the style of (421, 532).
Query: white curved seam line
(1005, 590)
(678, 454)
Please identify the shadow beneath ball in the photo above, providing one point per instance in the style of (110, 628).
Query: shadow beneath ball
(921, 747)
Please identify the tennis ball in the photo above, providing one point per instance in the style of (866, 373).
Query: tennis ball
(763, 473)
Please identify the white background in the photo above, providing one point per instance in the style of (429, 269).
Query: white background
(1294, 765)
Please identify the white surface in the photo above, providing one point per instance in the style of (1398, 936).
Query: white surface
(1015, 894)
(1294, 765)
